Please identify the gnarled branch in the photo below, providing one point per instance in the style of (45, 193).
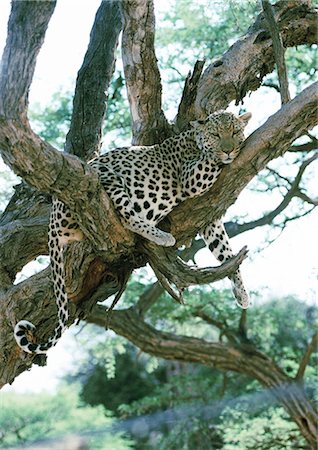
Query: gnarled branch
(182, 275)
(241, 359)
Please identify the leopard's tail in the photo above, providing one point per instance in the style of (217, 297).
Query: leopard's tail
(24, 329)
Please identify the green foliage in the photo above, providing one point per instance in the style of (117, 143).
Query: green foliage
(192, 29)
(269, 430)
(117, 128)
(132, 382)
(284, 340)
(31, 417)
(53, 121)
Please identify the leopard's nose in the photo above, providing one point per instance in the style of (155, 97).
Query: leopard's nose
(227, 144)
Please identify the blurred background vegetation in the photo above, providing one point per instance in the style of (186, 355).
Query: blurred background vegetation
(120, 398)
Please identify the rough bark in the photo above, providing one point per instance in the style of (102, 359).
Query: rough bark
(186, 110)
(90, 98)
(66, 177)
(23, 59)
(149, 125)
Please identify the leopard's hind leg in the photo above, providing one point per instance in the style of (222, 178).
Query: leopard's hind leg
(217, 241)
(116, 189)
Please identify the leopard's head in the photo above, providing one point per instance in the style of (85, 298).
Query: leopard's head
(220, 135)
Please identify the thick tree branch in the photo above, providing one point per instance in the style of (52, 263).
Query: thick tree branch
(186, 110)
(242, 68)
(17, 67)
(149, 125)
(93, 79)
(128, 323)
(279, 51)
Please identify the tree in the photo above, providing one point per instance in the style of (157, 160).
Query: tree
(101, 265)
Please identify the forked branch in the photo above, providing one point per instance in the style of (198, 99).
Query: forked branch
(37, 162)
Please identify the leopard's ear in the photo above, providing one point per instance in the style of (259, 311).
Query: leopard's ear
(197, 123)
(245, 118)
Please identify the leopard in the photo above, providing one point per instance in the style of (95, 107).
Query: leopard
(145, 183)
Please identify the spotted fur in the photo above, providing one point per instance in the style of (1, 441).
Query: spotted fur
(145, 183)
